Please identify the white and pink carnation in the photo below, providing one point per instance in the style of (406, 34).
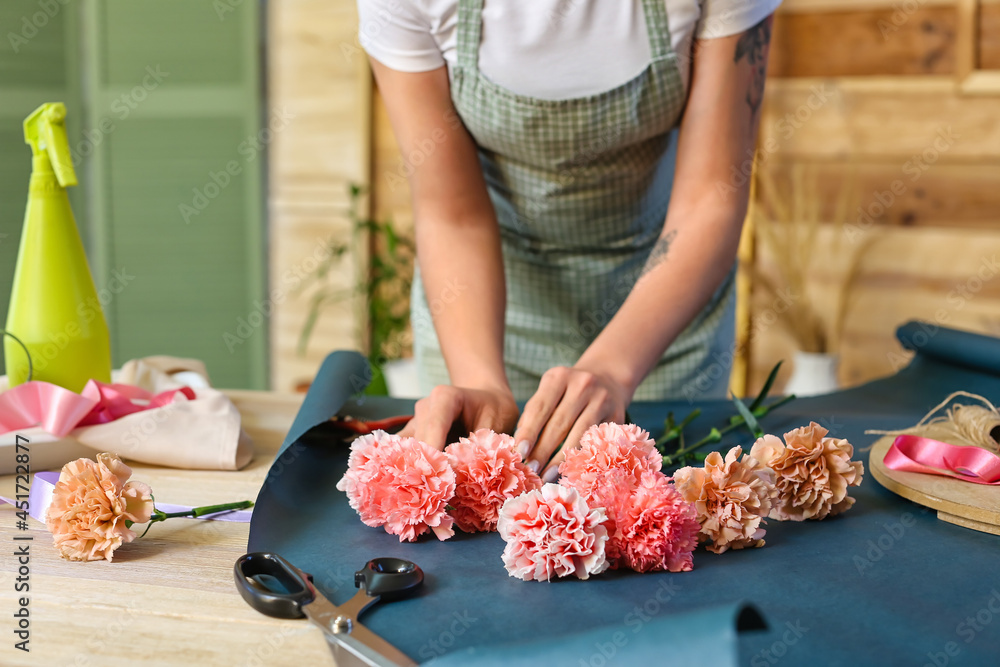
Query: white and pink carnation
(551, 532)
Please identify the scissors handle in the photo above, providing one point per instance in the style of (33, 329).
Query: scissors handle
(272, 585)
(389, 578)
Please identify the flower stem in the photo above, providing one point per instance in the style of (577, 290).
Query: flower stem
(196, 512)
(715, 435)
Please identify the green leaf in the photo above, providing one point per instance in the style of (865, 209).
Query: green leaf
(748, 417)
(766, 388)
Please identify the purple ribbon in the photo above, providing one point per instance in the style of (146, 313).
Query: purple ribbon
(44, 483)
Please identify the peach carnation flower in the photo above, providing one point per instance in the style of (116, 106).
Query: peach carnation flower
(651, 527)
(551, 532)
(488, 471)
(731, 499)
(812, 473)
(399, 483)
(606, 447)
(91, 503)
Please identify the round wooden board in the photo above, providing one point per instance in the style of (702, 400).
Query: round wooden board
(975, 506)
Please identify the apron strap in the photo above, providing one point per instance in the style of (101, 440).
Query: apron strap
(657, 28)
(470, 28)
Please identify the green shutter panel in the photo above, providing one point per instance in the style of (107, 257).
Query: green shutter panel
(176, 181)
(37, 64)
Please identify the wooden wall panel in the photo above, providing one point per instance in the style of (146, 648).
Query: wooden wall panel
(863, 42)
(895, 118)
(872, 38)
(944, 276)
(989, 36)
(848, 98)
(314, 69)
(947, 194)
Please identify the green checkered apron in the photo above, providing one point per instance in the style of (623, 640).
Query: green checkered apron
(580, 188)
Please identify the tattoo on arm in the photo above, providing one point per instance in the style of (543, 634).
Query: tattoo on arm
(659, 252)
(753, 45)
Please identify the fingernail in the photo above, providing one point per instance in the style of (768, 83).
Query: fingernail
(533, 465)
(523, 448)
(551, 474)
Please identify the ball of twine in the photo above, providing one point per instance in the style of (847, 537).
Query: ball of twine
(969, 425)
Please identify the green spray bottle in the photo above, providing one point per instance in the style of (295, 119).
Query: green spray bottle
(53, 309)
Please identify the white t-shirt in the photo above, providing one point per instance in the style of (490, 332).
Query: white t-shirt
(549, 49)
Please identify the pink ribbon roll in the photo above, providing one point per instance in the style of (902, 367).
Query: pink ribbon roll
(912, 453)
(60, 410)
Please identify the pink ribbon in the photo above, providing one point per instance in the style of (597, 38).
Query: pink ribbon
(43, 485)
(911, 453)
(60, 410)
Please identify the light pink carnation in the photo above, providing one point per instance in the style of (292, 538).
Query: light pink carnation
(607, 447)
(650, 526)
(731, 499)
(488, 472)
(92, 503)
(811, 472)
(400, 483)
(551, 532)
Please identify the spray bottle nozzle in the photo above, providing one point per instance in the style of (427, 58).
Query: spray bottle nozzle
(45, 132)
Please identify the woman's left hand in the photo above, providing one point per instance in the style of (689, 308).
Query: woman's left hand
(567, 403)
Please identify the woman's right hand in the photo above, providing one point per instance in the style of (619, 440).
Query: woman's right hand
(492, 408)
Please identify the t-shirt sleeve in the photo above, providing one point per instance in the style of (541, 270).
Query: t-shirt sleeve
(721, 18)
(398, 35)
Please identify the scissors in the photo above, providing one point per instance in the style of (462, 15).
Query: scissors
(273, 586)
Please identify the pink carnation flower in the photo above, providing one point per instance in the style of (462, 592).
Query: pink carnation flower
(400, 483)
(607, 447)
(650, 525)
(551, 532)
(488, 472)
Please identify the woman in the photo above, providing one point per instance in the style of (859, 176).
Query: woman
(573, 250)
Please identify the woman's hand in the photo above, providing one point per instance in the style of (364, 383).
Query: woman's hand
(475, 408)
(567, 403)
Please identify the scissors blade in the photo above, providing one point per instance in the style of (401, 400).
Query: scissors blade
(360, 646)
(364, 647)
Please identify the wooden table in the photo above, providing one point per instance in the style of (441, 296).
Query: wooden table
(168, 598)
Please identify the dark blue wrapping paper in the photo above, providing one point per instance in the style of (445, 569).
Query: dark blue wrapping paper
(886, 583)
